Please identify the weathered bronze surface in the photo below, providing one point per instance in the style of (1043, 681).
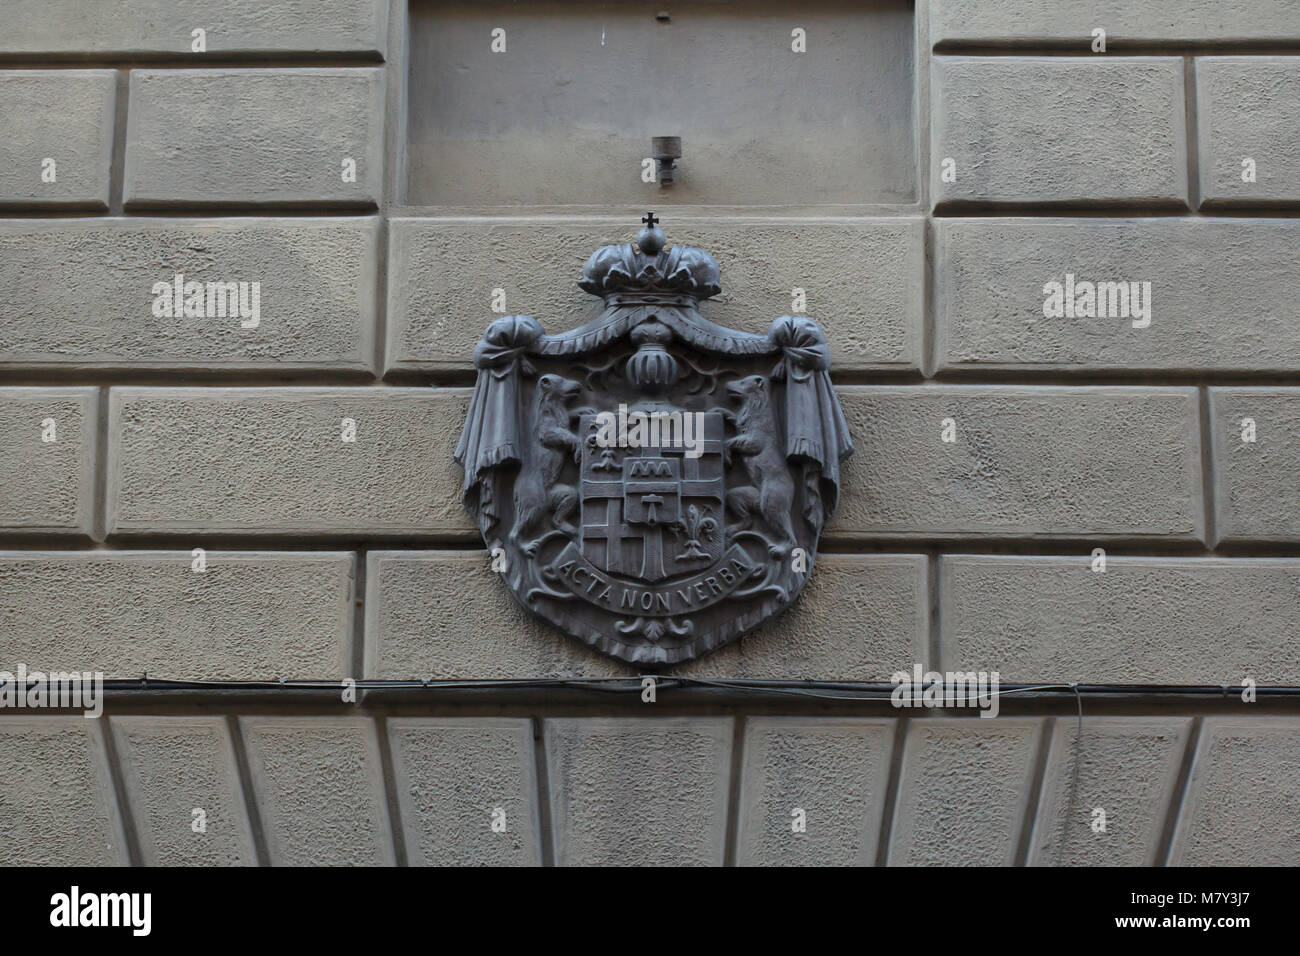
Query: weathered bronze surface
(653, 483)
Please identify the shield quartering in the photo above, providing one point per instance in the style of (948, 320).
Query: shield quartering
(654, 511)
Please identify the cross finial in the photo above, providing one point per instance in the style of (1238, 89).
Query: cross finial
(650, 219)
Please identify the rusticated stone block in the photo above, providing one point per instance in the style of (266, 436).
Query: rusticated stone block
(320, 790)
(1127, 768)
(197, 137)
(1140, 621)
(165, 27)
(276, 461)
(1242, 801)
(1070, 24)
(250, 615)
(639, 791)
(58, 807)
(862, 617)
(826, 775)
(47, 459)
(964, 789)
(1058, 130)
(1021, 461)
(1248, 128)
(467, 790)
(1152, 308)
(56, 135)
(183, 786)
(308, 299)
(1255, 436)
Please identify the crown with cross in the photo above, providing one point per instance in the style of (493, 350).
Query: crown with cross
(628, 271)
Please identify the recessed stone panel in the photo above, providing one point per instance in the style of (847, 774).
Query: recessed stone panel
(556, 102)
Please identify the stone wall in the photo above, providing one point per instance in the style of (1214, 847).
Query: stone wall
(130, 438)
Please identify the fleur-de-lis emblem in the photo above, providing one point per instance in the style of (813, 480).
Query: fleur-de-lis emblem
(694, 526)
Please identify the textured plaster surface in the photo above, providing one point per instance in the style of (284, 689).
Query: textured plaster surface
(1127, 768)
(47, 459)
(1072, 23)
(1257, 493)
(274, 461)
(57, 805)
(862, 618)
(1242, 801)
(166, 26)
(1249, 109)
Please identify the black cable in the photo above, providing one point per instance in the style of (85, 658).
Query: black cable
(634, 684)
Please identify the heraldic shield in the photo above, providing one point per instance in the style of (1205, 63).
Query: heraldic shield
(652, 483)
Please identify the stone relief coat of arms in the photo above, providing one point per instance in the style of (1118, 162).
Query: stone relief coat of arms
(655, 482)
